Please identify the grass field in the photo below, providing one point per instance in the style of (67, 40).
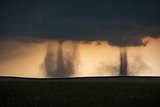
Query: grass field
(77, 93)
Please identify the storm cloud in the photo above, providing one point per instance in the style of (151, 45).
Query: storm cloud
(122, 23)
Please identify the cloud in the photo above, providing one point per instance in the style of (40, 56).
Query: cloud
(122, 34)
(21, 39)
(117, 33)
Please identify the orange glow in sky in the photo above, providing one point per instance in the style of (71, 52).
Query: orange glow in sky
(95, 58)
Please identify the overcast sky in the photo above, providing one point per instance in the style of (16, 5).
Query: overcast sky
(79, 19)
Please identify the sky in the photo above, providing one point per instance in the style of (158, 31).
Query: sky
(79, 19)
(76, 59)
(32, 31)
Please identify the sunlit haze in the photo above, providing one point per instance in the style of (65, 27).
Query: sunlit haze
(78, 58)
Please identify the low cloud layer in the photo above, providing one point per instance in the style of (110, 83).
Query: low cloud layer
(122, 23)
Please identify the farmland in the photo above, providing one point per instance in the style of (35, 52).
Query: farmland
(80, 92)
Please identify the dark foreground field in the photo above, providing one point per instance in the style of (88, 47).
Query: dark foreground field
(80, 92)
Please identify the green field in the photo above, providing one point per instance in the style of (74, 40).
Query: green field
(69, 93)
